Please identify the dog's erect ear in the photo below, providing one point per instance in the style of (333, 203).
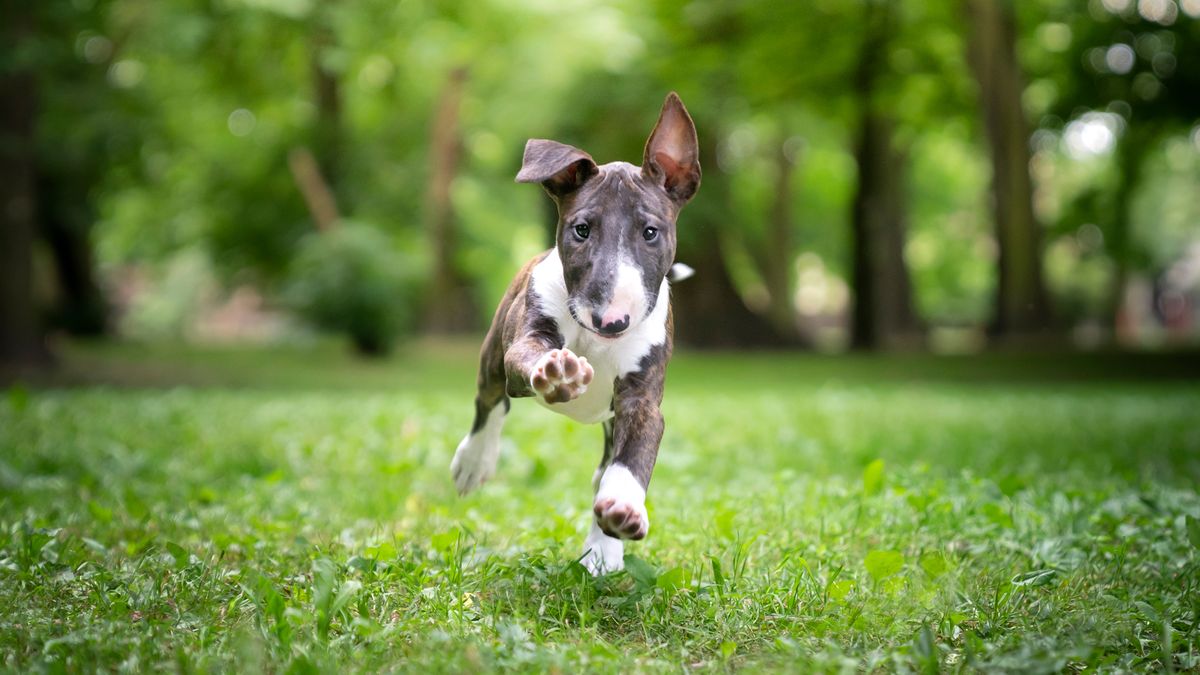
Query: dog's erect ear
(673, 153)
(560, 168)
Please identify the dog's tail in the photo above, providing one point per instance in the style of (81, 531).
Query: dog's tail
(679, 272)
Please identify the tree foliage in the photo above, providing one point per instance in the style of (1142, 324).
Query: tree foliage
(166, 127)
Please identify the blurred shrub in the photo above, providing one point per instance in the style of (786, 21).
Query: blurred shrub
(353, 280)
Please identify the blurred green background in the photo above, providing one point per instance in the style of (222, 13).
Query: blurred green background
(219, 216)
(878, 175)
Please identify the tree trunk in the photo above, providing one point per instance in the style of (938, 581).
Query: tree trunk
(883, 311)
(21, 339)
(452, 309)
(777, 254)
(1131, 155)
(327, 91)
(314, 188)
(708, 310)
(1021, 305)
(883, 314)
(65, 225)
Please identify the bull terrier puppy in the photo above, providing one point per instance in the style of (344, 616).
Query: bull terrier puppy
(585, 328)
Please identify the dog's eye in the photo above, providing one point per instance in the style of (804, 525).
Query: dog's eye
(582, 230)
(650, 233)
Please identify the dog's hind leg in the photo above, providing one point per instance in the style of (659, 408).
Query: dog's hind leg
(475, 459)
(601, 553)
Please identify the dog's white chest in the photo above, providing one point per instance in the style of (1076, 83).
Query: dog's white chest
(610, 358)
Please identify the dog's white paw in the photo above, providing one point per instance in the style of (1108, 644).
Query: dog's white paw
(560, 376)
(475, 459)
(602, 554)
(620, 505)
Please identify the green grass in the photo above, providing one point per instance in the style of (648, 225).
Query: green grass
(292, 510)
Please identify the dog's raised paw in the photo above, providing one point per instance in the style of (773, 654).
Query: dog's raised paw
(561, 375)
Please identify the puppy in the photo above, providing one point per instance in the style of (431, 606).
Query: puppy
(585, 328)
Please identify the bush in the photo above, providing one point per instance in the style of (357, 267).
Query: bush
(353, 280)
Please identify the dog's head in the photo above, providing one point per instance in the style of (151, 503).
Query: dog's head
(616, 221)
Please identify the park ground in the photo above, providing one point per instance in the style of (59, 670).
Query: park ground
(290, 509)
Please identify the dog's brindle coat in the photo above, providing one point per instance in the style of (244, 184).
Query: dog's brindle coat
(586, 326)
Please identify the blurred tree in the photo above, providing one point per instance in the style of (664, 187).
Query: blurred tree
(20, 332)
(711, 308)
(1128, 60)
(839, 143)
(318, 174)
(234, 89)
(65, 124)
(883, 311)
(327, 92)
(877, 87)
(317, 193)
(1021, 303)
(454, 310)
(83, 125)
(777, 260)
(66, 216)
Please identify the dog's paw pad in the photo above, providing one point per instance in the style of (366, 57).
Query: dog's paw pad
(561, 375)
(621, 519)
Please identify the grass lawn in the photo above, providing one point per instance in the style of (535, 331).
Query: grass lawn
(293, 510)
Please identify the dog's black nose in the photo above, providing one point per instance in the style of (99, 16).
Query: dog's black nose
(610, 328)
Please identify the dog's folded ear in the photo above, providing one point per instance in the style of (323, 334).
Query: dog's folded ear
(559, 167)
(673, 153)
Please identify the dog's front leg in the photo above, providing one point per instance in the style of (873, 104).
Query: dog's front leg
(601, 553)
(536, 365)
(620, 503)
(637, 428)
